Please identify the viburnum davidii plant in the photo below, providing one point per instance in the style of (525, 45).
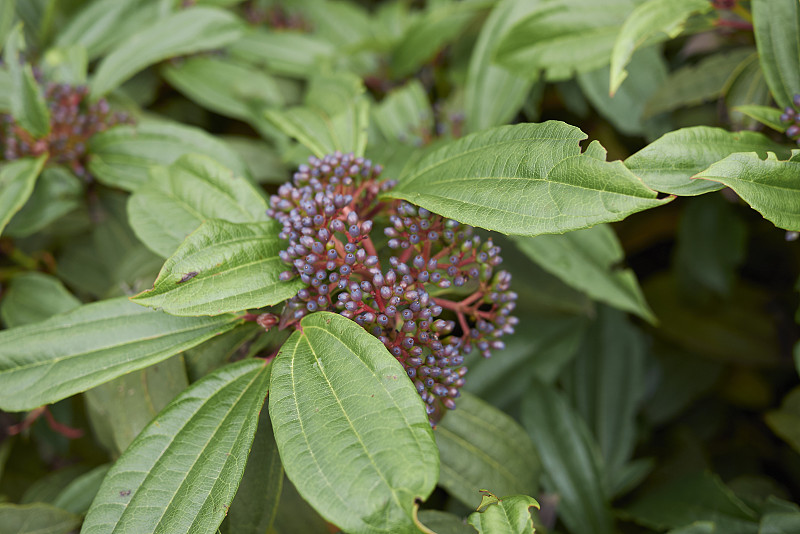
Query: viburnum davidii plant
(455, 266)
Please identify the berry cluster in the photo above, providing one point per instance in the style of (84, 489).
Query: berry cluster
(791, 116)
(328, 213)
(73, 121)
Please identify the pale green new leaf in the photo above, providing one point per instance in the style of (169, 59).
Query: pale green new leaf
(526, 179)
(777, 28)
(222, 267)
(770, 186)
(480, 447)
(122, 156)
(33, 297)
(16, 185)
(182, 471)
(178, 198)
(571, 460)
(508, 515)
(486, 79)
(589, 260)
(185, 32)
(226, 86)
(650, 22)
(350, 426)
(766, 115)
(669, 163)
(99, 24)
(285, 53)
(562, 37)
(72, 352)
(27, 101)
(36, 518)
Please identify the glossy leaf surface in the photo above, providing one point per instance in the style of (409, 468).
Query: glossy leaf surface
(351, 429)
(777, 28)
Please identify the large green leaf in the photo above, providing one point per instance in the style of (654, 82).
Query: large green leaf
(606, 384)
(563, 37)
(77, 496)
(335, 116)
(121, 408)
(651, 21)
(69, 353)
(27, 101)
(482, 447)
(36, 518)
(589, 260)
(184, 32)
(777, 28)
(747, 88)
(222, 267)
(669, 163)
(122, 156)
(698, 497)
(526, 179)
(695, 84)
(16, 185)
(770, 186)
(430, 31)
(351, 429)
(178, 198)
(33, 297)
(226, 86)
(486, 79)
(571, 460)
(182, 471)
(508, 515)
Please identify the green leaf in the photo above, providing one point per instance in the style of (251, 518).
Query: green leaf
(695, 84)
(228, 87)
(75, 351)
(220, 350)
(78, 495)
(571, 460)
(405, 115)
(651, 21)
(777, 28)
(331, 384)
(284, 53)
(222, 267)
(121, 408)
(606, 383)
(780, 523)
(480, 446)
(66, 65)
(785, 422)
(563, 37)
(698, 527)
(178, 198)
(746, 87)
(509, 515)
(16, 185)
(32, 297)
(122, 156)
(256, 504)
(182, 471)
(37, 518)
(766, 115)
(6, 88)
(626, 109)
(486, 79)
(185, 32)
(669, 163)
(7, 18)
(698, 497)
(526, 179)
(27, 101)
(444, 523)
(589, 260)
(335, 116)
(429, 32)
(48, 487)
(263, 161)
(57, 192)
(770, 186)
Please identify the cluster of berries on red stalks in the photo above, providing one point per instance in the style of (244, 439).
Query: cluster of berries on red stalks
(434, 296)
(791, 116)
(73, 121)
